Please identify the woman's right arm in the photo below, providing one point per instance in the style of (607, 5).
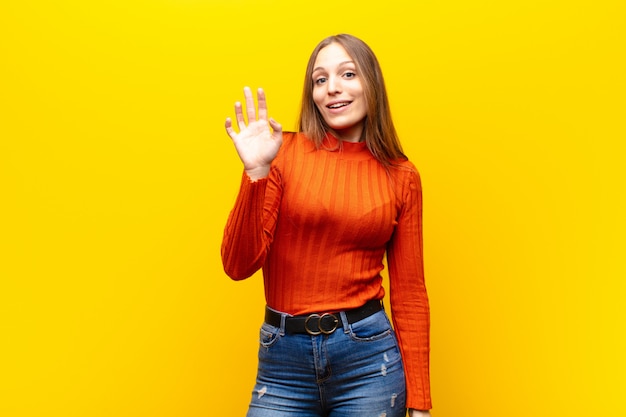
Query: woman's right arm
(251, 223)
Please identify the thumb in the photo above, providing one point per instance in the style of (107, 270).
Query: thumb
(277, 127)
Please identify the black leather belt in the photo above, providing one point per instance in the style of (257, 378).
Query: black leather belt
(326, 323)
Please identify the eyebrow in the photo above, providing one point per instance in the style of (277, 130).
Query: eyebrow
(340, 64)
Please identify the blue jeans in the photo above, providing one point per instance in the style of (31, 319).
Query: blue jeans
(354, 372)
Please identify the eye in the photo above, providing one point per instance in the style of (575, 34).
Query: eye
(349, 74)
(320, 80)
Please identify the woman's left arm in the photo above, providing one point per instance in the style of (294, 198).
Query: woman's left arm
(409, 299)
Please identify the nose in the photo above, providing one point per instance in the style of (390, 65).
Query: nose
(334, 85)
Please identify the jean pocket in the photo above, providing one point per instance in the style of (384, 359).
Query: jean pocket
(374, 327)
(268, 335)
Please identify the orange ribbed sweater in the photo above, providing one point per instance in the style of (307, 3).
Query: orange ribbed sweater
(320, 224)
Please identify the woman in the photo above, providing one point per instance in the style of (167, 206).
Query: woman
(318, 210)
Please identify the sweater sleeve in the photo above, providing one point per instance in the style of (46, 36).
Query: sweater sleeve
(250, 226)
(409, 300)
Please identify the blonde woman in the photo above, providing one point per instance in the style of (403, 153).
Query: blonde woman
(318, 210)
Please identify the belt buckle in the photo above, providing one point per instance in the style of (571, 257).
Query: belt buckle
(319, 324)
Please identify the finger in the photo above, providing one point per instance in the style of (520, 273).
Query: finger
(239, 116)
(277, 127)
(262, 104)
(249, 104)
(229, 128)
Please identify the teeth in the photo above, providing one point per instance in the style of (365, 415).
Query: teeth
(337, 105)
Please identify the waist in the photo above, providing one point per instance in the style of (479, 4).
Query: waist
(315, 324)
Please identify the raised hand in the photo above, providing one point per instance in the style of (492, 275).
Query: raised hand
(256, 144)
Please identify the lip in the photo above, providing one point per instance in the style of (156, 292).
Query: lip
(338, 109)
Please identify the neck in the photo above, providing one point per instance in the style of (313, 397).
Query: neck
(352, 134)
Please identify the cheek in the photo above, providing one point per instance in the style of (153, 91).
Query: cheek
(318, 97)
(356, 90)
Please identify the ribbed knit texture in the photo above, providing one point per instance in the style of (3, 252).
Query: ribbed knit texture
(320, 225)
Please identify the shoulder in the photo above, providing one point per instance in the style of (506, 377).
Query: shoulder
(296, 142)
(295, 146)
(408, 174)
(296, 138)
(406, 165)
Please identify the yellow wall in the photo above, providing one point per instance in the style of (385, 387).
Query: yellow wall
(116, 179)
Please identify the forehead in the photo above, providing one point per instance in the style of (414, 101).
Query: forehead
(331, 55)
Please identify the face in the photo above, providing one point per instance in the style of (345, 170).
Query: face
(338, 92)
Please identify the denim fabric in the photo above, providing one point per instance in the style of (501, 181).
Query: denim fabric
(355, 371)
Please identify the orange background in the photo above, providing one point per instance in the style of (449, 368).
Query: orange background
(116, 179)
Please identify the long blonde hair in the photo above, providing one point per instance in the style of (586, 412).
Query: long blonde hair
(379, 132)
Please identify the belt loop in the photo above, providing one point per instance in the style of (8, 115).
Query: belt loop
(283, 317)
(344, 321)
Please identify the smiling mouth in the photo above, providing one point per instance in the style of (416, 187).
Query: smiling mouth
(338, 105)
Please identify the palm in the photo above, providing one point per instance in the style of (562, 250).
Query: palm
(256, 144)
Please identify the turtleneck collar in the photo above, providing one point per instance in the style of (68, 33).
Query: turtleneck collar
(347, 150)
